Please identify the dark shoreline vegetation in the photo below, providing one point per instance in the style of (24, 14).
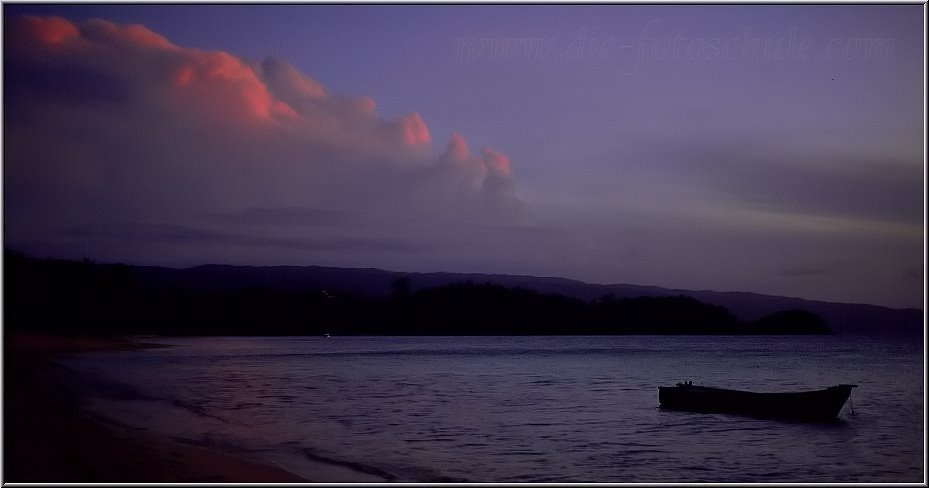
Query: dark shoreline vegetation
(83, 297)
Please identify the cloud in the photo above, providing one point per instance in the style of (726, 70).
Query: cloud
(288, 216)
(48, 31)
(832, 188)
(175, 234)
(802, 271)
(115, 123)
(290, 85)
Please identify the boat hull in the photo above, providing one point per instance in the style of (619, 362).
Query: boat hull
(819, 405)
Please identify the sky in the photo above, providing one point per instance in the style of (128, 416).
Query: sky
(774, 149)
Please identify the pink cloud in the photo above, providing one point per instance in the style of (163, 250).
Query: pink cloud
(288, 84)
(223, 79)
(457, 149)
(48, 30)
(183, 76)
(134, 34)
(193, 129)
(413, 130)
(366, 104)
(496, 162)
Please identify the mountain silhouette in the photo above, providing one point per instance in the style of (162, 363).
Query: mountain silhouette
(125, 291)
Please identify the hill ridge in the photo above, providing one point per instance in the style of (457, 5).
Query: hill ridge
(843, 318)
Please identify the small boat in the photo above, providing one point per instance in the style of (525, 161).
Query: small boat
(818, 405)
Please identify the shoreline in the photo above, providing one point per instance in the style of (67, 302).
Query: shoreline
(48, 437)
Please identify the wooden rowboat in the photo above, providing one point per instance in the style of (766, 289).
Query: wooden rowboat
(818, 405)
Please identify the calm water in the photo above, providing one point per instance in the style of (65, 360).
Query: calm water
(511, 409)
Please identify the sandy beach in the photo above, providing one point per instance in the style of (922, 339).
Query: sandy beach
(49, 438)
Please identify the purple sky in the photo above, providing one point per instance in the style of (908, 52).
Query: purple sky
(773, 149)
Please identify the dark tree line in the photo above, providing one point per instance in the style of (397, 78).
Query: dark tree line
(74, 297)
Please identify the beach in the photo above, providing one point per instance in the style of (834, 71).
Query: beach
(49, 438)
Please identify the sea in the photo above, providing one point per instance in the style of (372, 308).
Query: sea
(520, 409)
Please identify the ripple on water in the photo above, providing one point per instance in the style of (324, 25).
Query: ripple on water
(532, 409)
